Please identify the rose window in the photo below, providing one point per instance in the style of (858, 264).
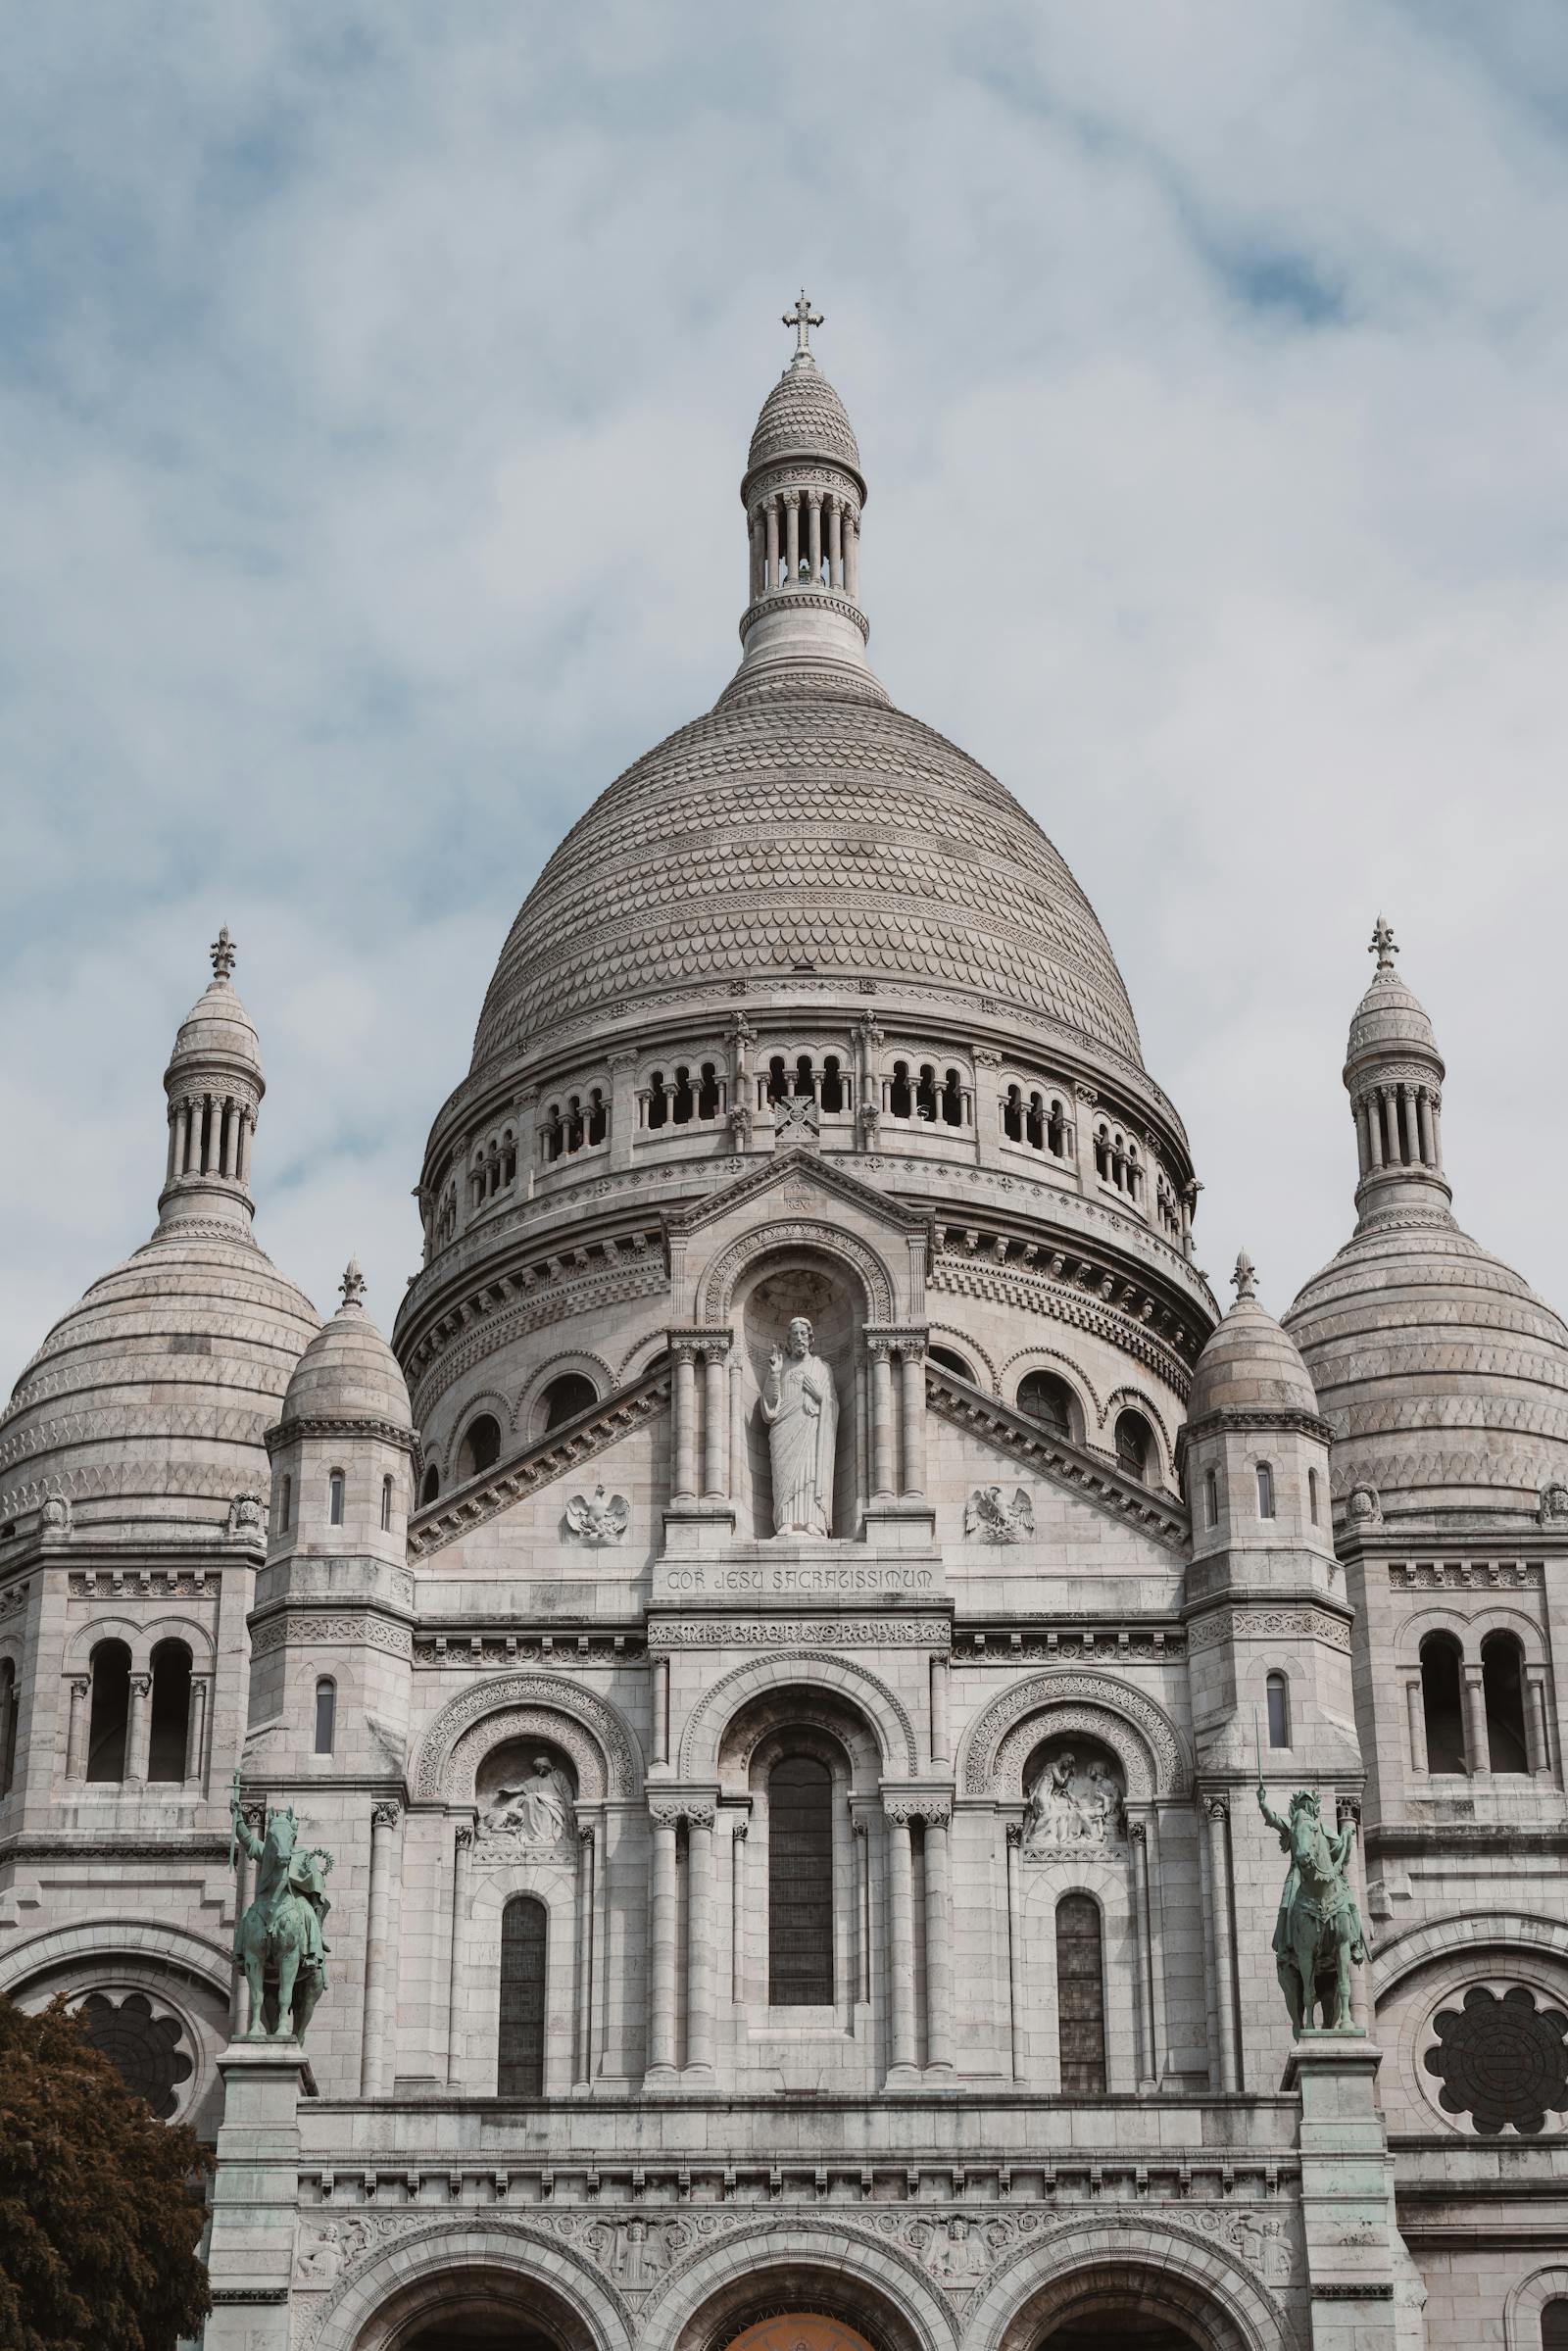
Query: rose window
(144, 2049)
(1500, 2061)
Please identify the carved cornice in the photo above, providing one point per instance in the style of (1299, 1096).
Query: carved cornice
(383, 1432)
(789, 1633)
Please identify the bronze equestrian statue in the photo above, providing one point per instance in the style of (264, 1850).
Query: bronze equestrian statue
(1318, 1931)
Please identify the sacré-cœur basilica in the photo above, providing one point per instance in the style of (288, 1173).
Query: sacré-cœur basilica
(748, 1708)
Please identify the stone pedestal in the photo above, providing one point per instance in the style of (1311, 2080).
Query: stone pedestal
(255, 2192)
(1346, 2192)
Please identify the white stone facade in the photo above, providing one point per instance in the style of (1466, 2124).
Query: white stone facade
(901, 1972)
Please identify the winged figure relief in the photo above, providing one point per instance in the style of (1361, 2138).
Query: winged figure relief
(598, 1517)
(987, 1518)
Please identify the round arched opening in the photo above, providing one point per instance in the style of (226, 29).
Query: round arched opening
(481, 1449)
(431, 1487)
(1136, 2303)
(1135, 1448)
(472, 2309)
(951, 1360)
(798, 2331)
(567, 1394)
(1049, 1399)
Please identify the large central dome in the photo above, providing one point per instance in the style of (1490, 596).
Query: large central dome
(803, 825)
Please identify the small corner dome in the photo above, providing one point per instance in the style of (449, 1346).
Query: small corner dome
(348, 1372)
(804, 416)
(217, 1028)
(1390, 1014)
(1249, 1364)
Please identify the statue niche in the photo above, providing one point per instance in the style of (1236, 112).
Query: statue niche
(527, 1803)
(1076, 1798)
(797, 1362)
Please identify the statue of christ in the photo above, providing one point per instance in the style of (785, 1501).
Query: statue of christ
(801, 1408)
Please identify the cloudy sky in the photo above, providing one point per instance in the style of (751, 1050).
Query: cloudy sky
(375, 385)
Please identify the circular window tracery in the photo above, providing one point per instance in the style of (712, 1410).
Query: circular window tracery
(1500, 2061)
(144, 2048)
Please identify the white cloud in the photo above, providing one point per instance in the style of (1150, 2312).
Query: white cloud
(377, 388)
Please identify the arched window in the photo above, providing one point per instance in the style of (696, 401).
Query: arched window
(833, 1085)
(285, 1508)
(169, 1730)
(335, 1490)
(481, 1449)
(1080, 1997)
(325, 1714)
(1442, 1703)
(386, 1505)
(1211, 1499)
(1035, 1126)
(1103, 1155)
(951, 1360)
(564, 1398)
(598, 1117)
(430, 1487)
(110, 1710)
(657, 1102)
(1311, 1495)
(1502, 1682)
(1056, 1130)
(1012, 1114)
(1279, 1710)
(925, 1094)
(685, 1101)
(521, 2071)
(1554, 2324)
(952, 1099)
(1135, 1446)
(799, 1884)
(708, 1093)
(1265, 1491)
(901, 1099)
(1049, 1401)
(7, 1725)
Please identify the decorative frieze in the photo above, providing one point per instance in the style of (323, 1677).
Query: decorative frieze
(143, 1584)
(309, 1629)
(1257, 1624)
(767, 1633)
(1466, 1574)
(492, 1650)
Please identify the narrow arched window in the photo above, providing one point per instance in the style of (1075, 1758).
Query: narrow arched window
(521, 2067)
(1080, 1997)
(598, 1117)
(925, 1094)
(1048, 1399)
(481, 1449)
(1279, 1710)
(901, 1099)
(386, 1505)
(1311, 1495)
(285, 1507)
(7, 1725)
(799, 1884)
(111, 1711)
(685, 1101)
(1265, 1491)
(431, 1487)
(325, 1714)
(1442, 1702)
(708, 1093)
(1554, 2324)
(832, 1085)
(952, 1099)
(564, 1398)
(1135, 1446)
(1012, 1114)
(334, 1493)
(657, 1100)
(1056, 1130)
(951, 1360)
(169, 1728)
(1211, 1499)
(1502, 1684)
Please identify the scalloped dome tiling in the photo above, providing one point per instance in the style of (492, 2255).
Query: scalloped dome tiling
(805, 827)
(803, 416)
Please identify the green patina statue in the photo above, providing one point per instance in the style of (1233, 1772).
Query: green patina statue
(279, 1941)
(1318, 1931)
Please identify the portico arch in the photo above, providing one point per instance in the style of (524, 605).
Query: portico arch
(878, 2294)
(424, 2289)
(1075, 2285)
(811, 1670)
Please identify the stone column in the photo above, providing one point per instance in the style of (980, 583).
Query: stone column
(1476, 1746)
(852, 558)
(461, 1864)
(880, 1353)
(247, 1127)
(1086, 1100)
(231, 1136)
(661, 1709)
(759, 559)
(623, 1114)
(1537, 1730)
(773, 546)
(1348, 1814)
(792, 535)
(1416, 1715)
(903, 2048)
(715, 1421)
(77, 1731)
(1217, 1821)
(1404, 1123)
(835, 543)
(196, 1732)
(661, 1948)
(1436, 1132)
(863, 1907)
(813, 535)
(1373, 1107)
(582, 2065)
(239, 2006)
(938, 1941)
(1144, 1927)
(739, 1481)
(685, 1415)
(137, 1731)
(380, 2006)
(1363, 1142)
(939, 1710)
(1422, 1112)
(737, 1911)
(911, 1359)
(700, 1942)
(1014, 1849)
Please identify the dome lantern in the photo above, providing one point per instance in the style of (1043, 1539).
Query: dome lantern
(215, 1085)
(804, 493)
(1394, 1075)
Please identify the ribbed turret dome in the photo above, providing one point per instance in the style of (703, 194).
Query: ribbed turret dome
(1443, 1376)
(1249, 1364)
(348, 1372)
(804, 829)
(803, 416)
(218, 1030)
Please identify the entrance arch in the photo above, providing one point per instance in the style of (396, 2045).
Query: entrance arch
(1097, 2285)
(798, 2331)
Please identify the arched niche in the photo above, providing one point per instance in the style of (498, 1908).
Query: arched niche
(600, 1744)
(770, 1292)
(1137, 1732)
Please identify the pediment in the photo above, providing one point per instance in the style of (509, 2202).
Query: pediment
(1018, 1450)
(794, 1176)
(798, 1200)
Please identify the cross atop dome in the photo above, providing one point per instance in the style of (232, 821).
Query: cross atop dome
(803, 318)
(1384, 945)
(223, 951)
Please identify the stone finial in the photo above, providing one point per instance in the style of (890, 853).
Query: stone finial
(1244, 1279)
(223, 951)
(353, 1284)
(803, 318)
(1383, 944)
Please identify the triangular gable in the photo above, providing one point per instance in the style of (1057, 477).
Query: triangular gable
(795, 1168)
(562, 1454)
(1025, 1445)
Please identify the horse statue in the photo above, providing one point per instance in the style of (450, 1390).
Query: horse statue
(1318, 1931)
(278, 1941)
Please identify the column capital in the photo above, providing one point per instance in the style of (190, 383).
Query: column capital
(936, 1812)
(668, 1807)
(80, 1688)
(1217, 1807)
(385, 1812)
(141, 1684)
(462, 1837)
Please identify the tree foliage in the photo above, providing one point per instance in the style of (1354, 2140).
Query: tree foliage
(99, 2218)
